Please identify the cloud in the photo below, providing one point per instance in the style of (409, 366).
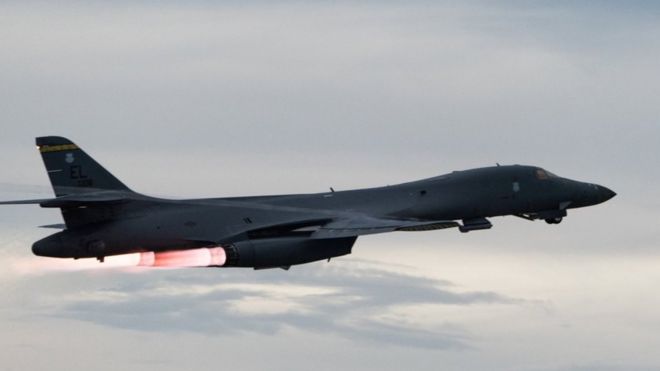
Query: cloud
(352, 300)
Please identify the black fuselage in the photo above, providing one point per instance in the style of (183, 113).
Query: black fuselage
(150, 224)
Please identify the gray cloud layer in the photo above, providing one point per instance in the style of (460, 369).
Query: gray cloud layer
(345, 299)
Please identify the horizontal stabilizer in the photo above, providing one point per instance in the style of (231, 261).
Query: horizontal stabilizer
(54, 226)
(84, 199)
(25, 202)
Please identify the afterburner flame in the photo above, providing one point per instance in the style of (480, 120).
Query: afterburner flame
(184, 258)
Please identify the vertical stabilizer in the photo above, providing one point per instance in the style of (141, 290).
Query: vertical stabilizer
(72, 171)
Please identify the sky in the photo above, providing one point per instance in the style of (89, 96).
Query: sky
(204, 98)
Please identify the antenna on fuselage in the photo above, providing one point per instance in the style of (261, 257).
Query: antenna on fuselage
(332, 190)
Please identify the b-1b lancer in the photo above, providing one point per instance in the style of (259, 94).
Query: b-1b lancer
(103, 217)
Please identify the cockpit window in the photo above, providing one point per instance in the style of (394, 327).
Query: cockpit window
(543, 175)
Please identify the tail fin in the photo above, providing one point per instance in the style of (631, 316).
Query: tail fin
(72, 171)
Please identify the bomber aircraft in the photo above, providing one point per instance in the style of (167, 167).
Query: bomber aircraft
(103, 217)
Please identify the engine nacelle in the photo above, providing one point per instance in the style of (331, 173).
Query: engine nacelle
(284, 252)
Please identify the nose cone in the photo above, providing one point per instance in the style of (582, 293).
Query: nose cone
(601, 194)
(605, 193)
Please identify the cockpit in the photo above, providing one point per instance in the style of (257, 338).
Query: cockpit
(542, 174)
